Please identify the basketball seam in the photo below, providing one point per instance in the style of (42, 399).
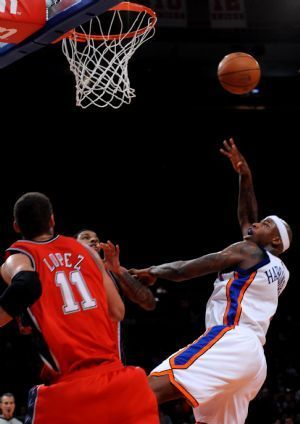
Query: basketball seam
(238, 72)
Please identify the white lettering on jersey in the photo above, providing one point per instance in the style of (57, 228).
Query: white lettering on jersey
(66, 284)
(56, 260)
(13, 6)
(276, 274)
(76, 266)
(66, 258)
(7, 32)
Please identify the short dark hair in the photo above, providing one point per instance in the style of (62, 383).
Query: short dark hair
(32, 213)
(76, 235)
(8, 394)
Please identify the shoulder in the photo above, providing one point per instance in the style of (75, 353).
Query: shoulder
(244, 254)
(247, 247)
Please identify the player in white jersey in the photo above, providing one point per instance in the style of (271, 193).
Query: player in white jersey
(223, 370)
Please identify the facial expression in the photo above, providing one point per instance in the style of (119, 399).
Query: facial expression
(264, 233)
(8, 406)
(90, 238)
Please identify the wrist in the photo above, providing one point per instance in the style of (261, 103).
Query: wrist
(151, 270)
(120, 270)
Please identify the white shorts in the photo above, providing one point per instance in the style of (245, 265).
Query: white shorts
(219, 373)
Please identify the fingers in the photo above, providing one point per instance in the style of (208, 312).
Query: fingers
(231, 141)
(229, 145)
(227, 154)
(109, 247)
(226, 151)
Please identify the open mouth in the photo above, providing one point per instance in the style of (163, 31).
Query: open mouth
(250, 231)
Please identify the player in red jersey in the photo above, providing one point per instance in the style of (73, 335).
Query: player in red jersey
(72, 302)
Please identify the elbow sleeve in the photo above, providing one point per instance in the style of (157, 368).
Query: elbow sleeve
(24, 290)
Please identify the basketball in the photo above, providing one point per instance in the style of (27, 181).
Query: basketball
(238, 73)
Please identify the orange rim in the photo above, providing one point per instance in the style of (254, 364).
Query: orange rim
(123, 6)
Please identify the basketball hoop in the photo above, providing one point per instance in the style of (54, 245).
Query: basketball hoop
(99, 52)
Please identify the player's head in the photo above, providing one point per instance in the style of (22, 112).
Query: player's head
(33, 215)
(7, 405)
(90, 238)
(272, 233)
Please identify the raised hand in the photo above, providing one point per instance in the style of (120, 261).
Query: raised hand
(111, 256)
(238, 161)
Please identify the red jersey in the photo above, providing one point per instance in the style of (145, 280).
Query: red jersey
(72, 312)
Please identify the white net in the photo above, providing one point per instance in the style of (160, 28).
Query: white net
(100, 62)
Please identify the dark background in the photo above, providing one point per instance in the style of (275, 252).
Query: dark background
(149, 176)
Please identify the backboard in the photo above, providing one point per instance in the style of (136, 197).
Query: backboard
(62, 16)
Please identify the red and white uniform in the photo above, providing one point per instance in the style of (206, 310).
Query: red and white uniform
(72, 316)
(223, 370)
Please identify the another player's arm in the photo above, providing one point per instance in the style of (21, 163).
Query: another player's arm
(131, 286)
(244, 254)
(247, 203)
(116, 308)
(134, 290)
(23, 289)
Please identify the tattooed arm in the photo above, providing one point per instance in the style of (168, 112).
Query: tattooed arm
(133, 289)
(244, 254)
(247, 204)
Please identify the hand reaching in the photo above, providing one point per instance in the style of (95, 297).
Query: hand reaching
(111, 256)
(238, 161)
(143, 276)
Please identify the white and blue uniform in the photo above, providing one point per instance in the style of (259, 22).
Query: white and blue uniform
(223, 370)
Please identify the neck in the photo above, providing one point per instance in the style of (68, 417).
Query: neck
(44, 237)
(7, 416)
(272, 250)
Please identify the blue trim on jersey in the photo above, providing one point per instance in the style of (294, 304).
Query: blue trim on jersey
(194, 348)
(234, 292)
(260, 264)
(32, 396)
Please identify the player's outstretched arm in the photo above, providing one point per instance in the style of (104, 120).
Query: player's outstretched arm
(247, 204)
(131, 286)
(244, 254)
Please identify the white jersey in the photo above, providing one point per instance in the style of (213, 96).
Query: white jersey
(248, 298)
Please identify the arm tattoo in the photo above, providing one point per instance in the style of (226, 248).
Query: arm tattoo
(136, 291)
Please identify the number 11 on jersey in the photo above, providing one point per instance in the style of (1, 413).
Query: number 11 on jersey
(65, 285)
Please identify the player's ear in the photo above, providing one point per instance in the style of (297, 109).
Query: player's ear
(52, 220)
(16, 227)
(276, 242)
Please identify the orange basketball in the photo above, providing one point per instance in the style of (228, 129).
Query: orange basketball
(238, 73)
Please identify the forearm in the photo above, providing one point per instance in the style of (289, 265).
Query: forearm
(247, 204)
(135, 290)
(185, 270)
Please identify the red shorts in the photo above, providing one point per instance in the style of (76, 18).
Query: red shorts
(95, 397)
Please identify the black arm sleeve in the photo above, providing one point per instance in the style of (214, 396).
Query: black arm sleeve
(24, 290)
